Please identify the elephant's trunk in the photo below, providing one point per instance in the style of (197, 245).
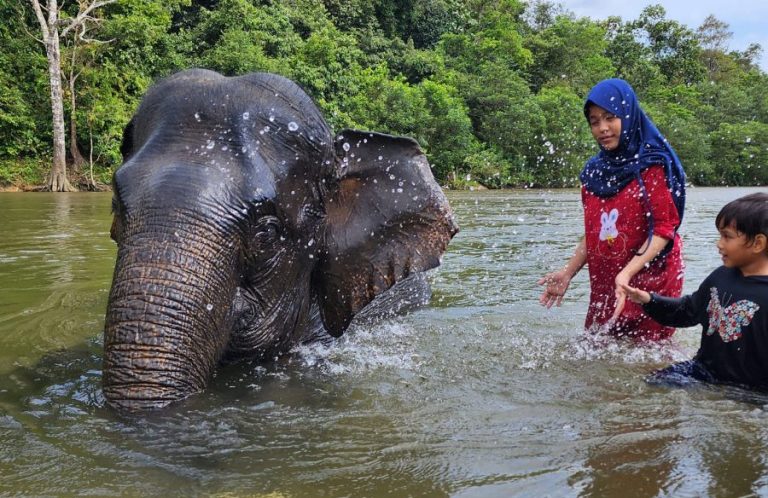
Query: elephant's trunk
(166, 324)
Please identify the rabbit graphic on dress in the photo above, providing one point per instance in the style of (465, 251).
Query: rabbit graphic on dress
(608, 229)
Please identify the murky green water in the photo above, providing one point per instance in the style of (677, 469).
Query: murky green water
(484, 394)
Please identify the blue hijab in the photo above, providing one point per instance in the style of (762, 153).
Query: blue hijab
(641, 146)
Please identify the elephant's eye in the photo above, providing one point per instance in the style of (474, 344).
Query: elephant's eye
(116, 229)
(268, 228)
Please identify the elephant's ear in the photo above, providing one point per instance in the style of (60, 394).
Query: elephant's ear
(387, 218)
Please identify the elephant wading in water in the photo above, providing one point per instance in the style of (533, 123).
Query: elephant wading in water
(245, 227)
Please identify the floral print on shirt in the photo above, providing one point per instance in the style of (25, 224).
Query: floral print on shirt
(728, 320)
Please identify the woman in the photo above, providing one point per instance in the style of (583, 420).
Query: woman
(633, 194)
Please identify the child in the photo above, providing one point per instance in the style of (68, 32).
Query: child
(731, 304)
(633, 194)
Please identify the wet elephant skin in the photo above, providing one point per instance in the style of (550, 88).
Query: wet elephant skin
(245, 226)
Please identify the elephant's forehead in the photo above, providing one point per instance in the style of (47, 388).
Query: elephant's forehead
(167, 178)
(260, 105)
(258, 138)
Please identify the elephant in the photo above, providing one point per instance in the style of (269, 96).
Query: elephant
(245, 227)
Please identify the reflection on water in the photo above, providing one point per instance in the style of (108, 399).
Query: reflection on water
(483, 394)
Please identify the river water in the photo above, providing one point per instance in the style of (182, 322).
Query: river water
(483, 394)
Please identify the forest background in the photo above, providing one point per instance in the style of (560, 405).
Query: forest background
(492, 89)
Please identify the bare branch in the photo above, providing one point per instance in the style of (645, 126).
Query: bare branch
(84, 29)
(97, 42)
(20, 9)
(41, 18)
(83, 15)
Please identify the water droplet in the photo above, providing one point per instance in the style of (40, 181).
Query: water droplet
(246, 116)
(209, 307)
(346, 147)
(209, 145)
(292, 126)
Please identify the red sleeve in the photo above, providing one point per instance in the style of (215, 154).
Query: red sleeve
(663, 210)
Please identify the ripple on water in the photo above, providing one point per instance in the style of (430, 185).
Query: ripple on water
(483, 394)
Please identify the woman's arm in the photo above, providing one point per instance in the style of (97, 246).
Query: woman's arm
(647, 252)
(665, 222)
(557, 282)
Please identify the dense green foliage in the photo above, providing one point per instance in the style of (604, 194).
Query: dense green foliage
(492, 89)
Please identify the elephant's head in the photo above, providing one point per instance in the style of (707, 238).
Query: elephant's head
(243, 225)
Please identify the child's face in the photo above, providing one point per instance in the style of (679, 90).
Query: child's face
(736, 250)
(605, 127)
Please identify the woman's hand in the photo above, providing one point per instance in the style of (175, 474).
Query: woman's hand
(556, 284)
(635, 265)
(622, 282)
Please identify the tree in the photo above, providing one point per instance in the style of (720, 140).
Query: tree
(632, 59)
(491, 89)
(713, 35)
(565, 141)
(51, 39)
(742, 156)
(541, 14)
(21, 65)
(569, 51)
(674, 47)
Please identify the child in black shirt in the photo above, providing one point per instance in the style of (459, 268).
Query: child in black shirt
(731, 304)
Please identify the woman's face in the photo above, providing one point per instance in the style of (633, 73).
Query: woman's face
(605, 127)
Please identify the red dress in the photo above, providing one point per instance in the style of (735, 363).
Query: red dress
(616, 227)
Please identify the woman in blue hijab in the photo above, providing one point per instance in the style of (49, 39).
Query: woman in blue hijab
(633, 194)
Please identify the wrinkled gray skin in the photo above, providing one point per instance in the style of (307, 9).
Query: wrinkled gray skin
(245, 227)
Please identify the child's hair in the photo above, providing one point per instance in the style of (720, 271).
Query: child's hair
(748, 214)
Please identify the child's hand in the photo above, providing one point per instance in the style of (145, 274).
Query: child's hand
(636, 295)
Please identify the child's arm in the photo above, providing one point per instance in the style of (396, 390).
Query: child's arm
(670, 311)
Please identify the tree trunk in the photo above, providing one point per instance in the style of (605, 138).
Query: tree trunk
(57, 180)
(77, 157)
(49, 27)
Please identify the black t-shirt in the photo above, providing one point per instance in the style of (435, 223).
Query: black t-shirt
(733, 311)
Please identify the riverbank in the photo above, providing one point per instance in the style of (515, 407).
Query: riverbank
(42, 188)
(30, 175)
